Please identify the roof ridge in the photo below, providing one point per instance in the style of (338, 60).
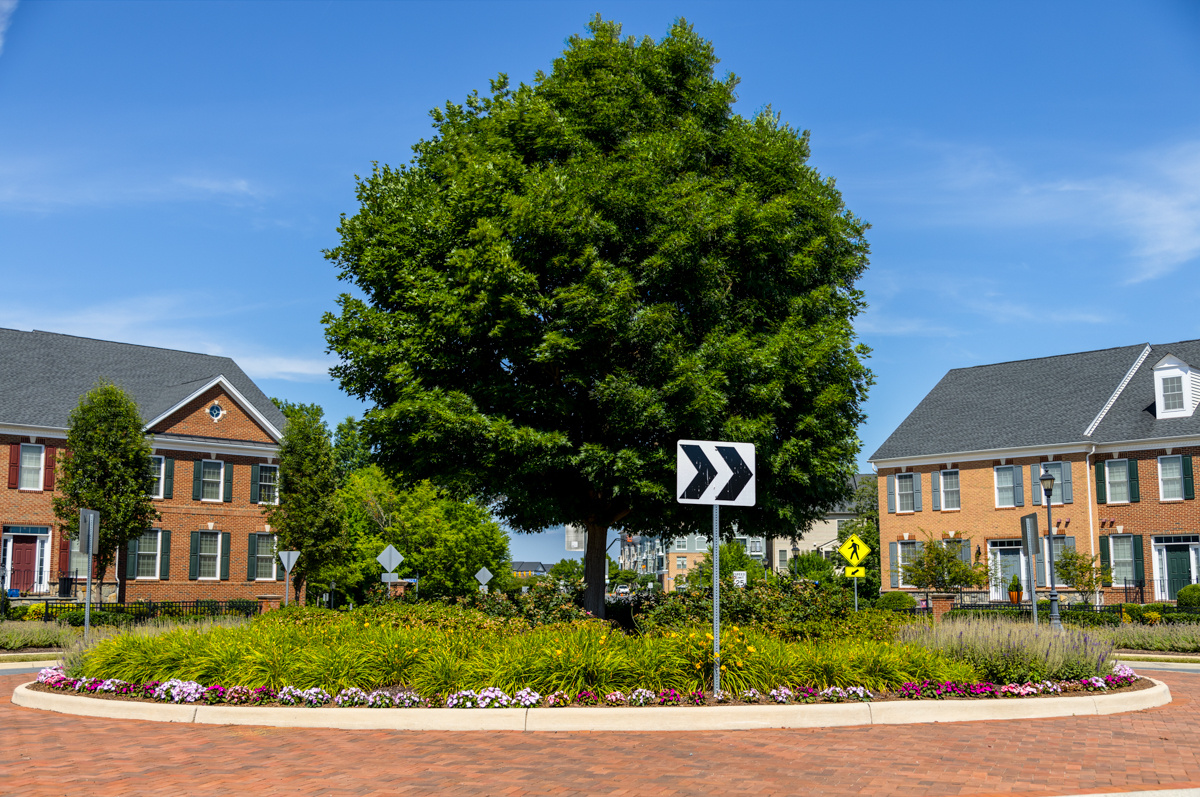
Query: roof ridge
(118, 343)
(1117, 393)
(1055, 356)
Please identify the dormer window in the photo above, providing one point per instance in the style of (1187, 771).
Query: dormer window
(1174, 388)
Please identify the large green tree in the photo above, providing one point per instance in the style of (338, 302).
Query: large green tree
(108, 469)
(306, 519)
(572, 275)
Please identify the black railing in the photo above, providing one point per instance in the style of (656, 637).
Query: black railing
(143, 611)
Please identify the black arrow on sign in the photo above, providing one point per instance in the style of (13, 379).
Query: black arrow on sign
(741, 473)
(705, 472)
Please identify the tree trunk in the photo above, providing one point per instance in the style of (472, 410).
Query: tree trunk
(595, 567)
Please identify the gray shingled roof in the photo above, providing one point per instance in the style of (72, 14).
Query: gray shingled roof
(1049, 400)
(1132, 414)
(45, 373)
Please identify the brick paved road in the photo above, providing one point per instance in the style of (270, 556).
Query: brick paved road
(52, 754)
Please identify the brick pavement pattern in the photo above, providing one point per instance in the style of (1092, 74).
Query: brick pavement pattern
(54, 754)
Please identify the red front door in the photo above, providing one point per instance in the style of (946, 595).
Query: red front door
(24, 562)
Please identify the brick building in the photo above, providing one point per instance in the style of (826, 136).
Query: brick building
(215, 439)
(1118, 428)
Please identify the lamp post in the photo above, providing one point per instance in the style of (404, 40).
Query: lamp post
(1047, 480)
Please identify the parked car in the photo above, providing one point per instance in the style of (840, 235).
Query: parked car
(622, 590)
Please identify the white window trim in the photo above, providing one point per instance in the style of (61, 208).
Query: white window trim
(1107, 484)
(1050, 575)
(1158, 562)
(160, 468)
(999, 592)
(1112, 559)
(1056, 498)
(1160, 479)
(217, 569)
(1016, 474)
(900, 546)
(911, 479)
(41, 561)
(41, 478)
(1171, 367)
(942, 490)
(274, 468)
(220, 483)
(681, 543)
(274, 559)
(157, 557)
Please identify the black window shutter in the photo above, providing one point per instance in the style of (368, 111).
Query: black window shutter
(891, 494)
(197, 484)
(194, 557)
(1018, 486)
(1035, 486)
(225, 538)
(164, 555)
(1101, 494)
(893, 562)
(1189, 483)
(1139, 566)
(131, 559)
(935, 490)
(1105, 561)
(228, 468)
(252, 558)
(1135, 493)
(254, 484)
(168, 477)
(279, 571)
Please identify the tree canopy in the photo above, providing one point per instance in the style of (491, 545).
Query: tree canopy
(733, 558)
(108, 469)
(570, 276)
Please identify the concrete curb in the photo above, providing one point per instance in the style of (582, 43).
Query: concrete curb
(24, 665)
(652, 718)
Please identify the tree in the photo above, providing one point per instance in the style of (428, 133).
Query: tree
(733, 557)
(570, 276)
(306, 519)
(108, 469)
(567, 570)
(811, 565)
(939, 566)
(350, 449)
(444, 542)
(1082, 572)
(865, 524)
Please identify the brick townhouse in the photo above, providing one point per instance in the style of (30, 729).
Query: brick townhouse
(1118, 428)
(215, 440)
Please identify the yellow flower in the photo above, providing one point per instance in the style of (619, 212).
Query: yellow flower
(722, 668)
(750, 648)
(709, 636)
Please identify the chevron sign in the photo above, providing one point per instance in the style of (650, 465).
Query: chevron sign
(711, 472)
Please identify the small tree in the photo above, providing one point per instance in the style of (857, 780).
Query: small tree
(811, 565)
(350, 449)
(733, 557)
(938, 566)
(306, 519)
(1082, 572)
(108, 470)
(569, 570)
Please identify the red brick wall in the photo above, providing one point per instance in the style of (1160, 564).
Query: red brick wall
(235, 423)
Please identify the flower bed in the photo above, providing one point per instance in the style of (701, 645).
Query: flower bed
(177, 691)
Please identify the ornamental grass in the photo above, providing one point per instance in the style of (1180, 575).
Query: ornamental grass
(1167, 638)
(17, 635)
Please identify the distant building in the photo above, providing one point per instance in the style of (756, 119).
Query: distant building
(527, 569)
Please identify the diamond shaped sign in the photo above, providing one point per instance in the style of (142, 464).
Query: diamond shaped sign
(483, 576)
(390, 558)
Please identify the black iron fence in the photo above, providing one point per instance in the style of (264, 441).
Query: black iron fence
(143, 611)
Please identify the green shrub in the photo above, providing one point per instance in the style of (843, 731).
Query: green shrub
(18, 612)
(1189, 596)
(1175, 618)
(1090, 619)
(895, 601)
(98, 617)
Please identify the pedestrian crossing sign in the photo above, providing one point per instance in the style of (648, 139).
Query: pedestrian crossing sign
(854, 550)
(856, 572)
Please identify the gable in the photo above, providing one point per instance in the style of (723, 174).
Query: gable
(194, 419)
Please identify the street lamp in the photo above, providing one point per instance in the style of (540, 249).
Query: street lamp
(1047, 480)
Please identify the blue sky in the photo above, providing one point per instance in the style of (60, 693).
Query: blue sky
(170, 172)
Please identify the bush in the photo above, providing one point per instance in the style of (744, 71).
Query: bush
(17, 612)
(895, 601)
(1189, 596)
(99, 617)
(1175, 618)
(1134, 610)
(1089, 619)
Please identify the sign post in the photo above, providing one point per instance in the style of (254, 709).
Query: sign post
(89, 530)
(854, 550)
(1029, 546)
(715, 473)
(289, 559)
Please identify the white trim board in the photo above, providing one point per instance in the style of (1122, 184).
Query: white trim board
(233, 392)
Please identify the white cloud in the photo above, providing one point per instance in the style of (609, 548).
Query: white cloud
(7, 7)
(170, 322)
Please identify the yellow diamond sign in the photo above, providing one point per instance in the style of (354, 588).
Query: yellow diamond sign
(854, 550)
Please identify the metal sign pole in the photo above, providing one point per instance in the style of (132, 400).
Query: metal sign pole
(856, 593)
(89, 519)
(716, 585)
(287, 585)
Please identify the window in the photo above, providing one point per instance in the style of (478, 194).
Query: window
(265, 564)
(1117, 477)
(783, 563)
(907, 552)
(209, 552)
(1056, 470)
(1170, 478)
(681, 563)
(1121, 548)
(950, 494)
(756, 545)
(156, 474)
(681, 543)
(904, 492)
(31, 467)
(1172, 391)
(211, 480)
(268, 484)
(1005, 488)
(1060, 545)
(79, 560)
(741, 541)
(841, 524)
(147, 555)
